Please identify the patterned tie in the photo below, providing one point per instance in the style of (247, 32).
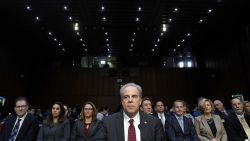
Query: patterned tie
(14, 131)
(245, 126)
(181, 123)
(131, 131)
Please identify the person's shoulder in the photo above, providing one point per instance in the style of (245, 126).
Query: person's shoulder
(112, 117)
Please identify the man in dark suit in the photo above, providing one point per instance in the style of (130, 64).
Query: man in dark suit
(237, 124)
(160, 112)
(178, 127)
(131, 124)
(22, 126)
(220, 110)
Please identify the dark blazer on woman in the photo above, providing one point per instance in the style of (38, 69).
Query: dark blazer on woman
(58, 132)
(204, 131)
(94, 133)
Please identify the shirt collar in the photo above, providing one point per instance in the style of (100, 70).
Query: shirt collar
(136, 118)
(178, 117)
(23, 117)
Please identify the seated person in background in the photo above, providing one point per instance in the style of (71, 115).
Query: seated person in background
(146, 105)
(87, 127)
(237, 123)
(103, 112)
(209, 126)
(178, 127)
(22, 126)
(56, 127)
(220, 110)
(247, 107)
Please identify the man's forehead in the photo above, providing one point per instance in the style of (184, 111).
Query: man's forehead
(20, 102)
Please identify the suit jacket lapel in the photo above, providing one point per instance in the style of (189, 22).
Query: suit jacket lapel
(120, 126)
(206, 126)
(143, 127)
(25, 123)
(177, 123)
(217, 125)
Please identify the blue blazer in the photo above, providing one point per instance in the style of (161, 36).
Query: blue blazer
(175, 133)
(27, 132)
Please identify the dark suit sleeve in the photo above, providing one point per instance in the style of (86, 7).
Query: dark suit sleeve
(31, 134)
(66, 130)
(231, 132)
(73, 132)
(193, 131)
(169, 130)
(159, 132)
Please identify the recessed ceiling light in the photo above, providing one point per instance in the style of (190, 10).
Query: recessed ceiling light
(137, 19)
(134, 33)
(50, 33)
(188, 34)
(209, 11)
(104, 18)
(133, 40)
(59, 44)
(28, 7)
(153, 50)
(81, 39)
(178, 45)
(174, 50)
(77, 33)
(176, 10)
(76, 27)
(201, 21)
(139, 8)
(107, 45)
(107, 39)
(131, 49)
(164, 27)
(55, 39)
(156, 45)
(106, 33)
(84, 45)
(85, 49)
(109, 56)
(63, 49)
(70, 18)
(108, 50)
(158, 40)
(131, 45)
(102, 8)
(183, 40)
(65, 8)
(162, 34)
(37, 18)
(170, 19)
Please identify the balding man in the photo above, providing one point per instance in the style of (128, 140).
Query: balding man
(237, 124)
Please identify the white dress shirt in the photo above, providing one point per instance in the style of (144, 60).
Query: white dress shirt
(136, 123)
(162, 118)
(20, 125)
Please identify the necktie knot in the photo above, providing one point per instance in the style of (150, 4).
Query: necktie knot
(131, 121)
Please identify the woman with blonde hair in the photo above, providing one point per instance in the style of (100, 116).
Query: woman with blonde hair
(87, 128)
(209, 127)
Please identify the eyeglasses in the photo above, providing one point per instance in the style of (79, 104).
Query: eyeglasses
(88, 109)
(21, 106)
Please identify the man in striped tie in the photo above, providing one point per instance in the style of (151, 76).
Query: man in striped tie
(22, 126)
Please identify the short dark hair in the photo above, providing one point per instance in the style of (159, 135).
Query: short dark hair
(22, 99)
(146, 98)
(181, 101)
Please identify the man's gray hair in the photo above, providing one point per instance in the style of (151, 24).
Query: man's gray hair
(138, 87)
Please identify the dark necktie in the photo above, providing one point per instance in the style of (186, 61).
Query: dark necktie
(14, 131)
(131, 131)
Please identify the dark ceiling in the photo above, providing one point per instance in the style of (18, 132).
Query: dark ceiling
(26, 39)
